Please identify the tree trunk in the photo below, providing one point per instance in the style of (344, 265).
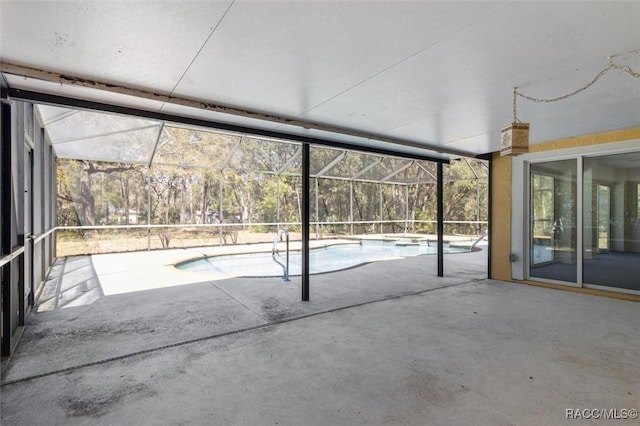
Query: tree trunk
(124, 190)
(205, 201)
(183, 202)
(298, 198)
(87, 200)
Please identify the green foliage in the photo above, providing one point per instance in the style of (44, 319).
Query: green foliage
(248, 190)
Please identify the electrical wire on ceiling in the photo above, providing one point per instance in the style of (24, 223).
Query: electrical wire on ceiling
(612, 66)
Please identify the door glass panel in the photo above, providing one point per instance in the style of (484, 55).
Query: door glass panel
(542, 218)
(611, 235)
(604, 208)
(553, 235)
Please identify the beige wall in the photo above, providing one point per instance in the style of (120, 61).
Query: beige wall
(582, 141)
(500, 238)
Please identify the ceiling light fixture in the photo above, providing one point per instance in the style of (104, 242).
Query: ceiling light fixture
(515, 137)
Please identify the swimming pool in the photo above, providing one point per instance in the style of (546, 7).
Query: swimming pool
(324, 259)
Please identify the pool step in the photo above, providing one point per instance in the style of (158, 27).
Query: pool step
(407, 243)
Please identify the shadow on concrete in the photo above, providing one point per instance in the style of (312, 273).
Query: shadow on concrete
(72, 282)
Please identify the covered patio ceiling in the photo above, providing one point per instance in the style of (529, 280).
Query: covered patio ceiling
(422, 77)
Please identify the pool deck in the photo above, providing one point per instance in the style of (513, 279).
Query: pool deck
(387, 343)
(118, 273)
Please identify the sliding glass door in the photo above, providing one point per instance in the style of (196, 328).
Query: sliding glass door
(553, 236)
(604, 217)
(609, 212)
(611, 231)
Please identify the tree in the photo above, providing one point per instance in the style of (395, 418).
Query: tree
(80, 191)
(200, 177)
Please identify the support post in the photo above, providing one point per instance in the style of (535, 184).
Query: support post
(478, 207)
(406, 209)
(220, 200)
(380, 197)
(440, 220)
(6, 211)
(489, 212)
(351, 206)
(317, 212)
(286, 274)
(149, 209)
(277, 202)
(305, 222)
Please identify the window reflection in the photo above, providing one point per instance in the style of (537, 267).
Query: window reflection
(610, 221)
(611, 234)
(553, 221)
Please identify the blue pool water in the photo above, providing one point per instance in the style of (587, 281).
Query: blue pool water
(324, 259)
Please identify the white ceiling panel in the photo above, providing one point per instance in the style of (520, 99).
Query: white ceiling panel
(610, 101)
(475, 144)
(439, 74)
(289, 57)
(145, 44)
(471, 75)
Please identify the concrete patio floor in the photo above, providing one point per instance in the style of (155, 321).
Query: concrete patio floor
(385, 343)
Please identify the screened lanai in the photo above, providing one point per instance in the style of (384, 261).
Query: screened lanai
(111, 203)
(129, 183)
